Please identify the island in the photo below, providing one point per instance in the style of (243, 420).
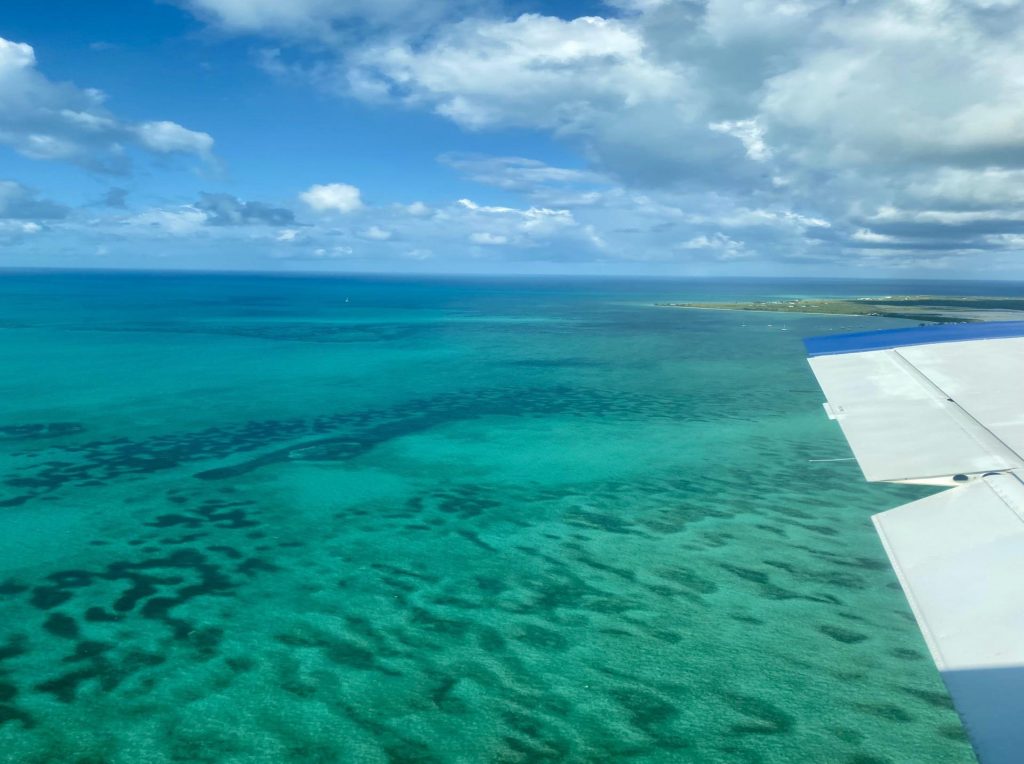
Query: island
(922, 308)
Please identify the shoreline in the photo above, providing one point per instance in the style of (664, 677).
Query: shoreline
(925, 309)
(769, 310)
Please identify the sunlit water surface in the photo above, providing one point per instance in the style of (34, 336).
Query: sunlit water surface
(254, 519)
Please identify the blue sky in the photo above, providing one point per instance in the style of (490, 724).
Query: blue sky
(713, 137)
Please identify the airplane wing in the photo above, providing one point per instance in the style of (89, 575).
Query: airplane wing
(944, 405)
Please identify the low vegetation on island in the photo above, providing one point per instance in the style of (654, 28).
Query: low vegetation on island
(923, 308)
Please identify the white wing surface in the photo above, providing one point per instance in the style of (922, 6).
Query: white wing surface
(945, 406)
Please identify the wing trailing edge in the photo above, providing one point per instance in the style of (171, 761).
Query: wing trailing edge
(959, 556)
(945, 406)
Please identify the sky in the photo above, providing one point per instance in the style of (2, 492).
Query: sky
(856, 138)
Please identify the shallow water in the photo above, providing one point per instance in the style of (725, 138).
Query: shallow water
(253, 519)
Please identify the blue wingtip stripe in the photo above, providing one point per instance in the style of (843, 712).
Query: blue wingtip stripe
(857, 342)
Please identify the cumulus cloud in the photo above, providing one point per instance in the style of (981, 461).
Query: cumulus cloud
(224, 209)
(803, 131)
(333, 252)
(336, 197)
(296, 16)
(529, 176)
(182, 221)
(598, 82)
(20, 203)
(169, 137)
(533, 232)
(43, 119)
(621, 225)
(418, 209)
(851, 95)
(533, 220)
(484, 237)
(376, 233)
(211, 213)
(749, 133)
(723, 246)
(808, 110)
(535, 71)
(462, 228)
(317, 18)
(14, 232)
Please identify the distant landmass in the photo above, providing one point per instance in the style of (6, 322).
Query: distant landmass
(923, 308)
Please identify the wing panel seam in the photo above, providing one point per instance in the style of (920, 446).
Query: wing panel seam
(1011, 501)
(974, 429)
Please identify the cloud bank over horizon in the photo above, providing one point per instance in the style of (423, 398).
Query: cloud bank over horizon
(732, 136)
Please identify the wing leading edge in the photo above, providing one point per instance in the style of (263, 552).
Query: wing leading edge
(945, 406)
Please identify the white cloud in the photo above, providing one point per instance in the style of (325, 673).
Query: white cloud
(945, 217)
(227, 210)
(590, 231)
(376, 233)
(258, 15)
(679, 94)
(544, 219)
(622, 226)
(723, 247)
(853, 97)
(48, 120)
(21, 203)
(744, 217)
(863, 234)
(984, 187)
(43, 119)
(533, 221)
(336, 197)
(183, 221)
(314, 18)
(750, 134)
(769, 23)
(167, 137)
(15, 56)
(489, 239)
(90, 122)
(804, 129)
(535, 71)
(13, 232)
(333, 253)
(518, 173)
(637, 6)
(469, 204)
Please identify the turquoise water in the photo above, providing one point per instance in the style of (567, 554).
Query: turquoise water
(254, 519)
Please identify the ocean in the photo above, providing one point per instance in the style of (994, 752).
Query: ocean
(250, 518)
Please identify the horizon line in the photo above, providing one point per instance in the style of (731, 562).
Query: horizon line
(6, 269)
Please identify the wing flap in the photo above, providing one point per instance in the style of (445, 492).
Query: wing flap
(959, 556)
(986, 379)
(923, 414)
